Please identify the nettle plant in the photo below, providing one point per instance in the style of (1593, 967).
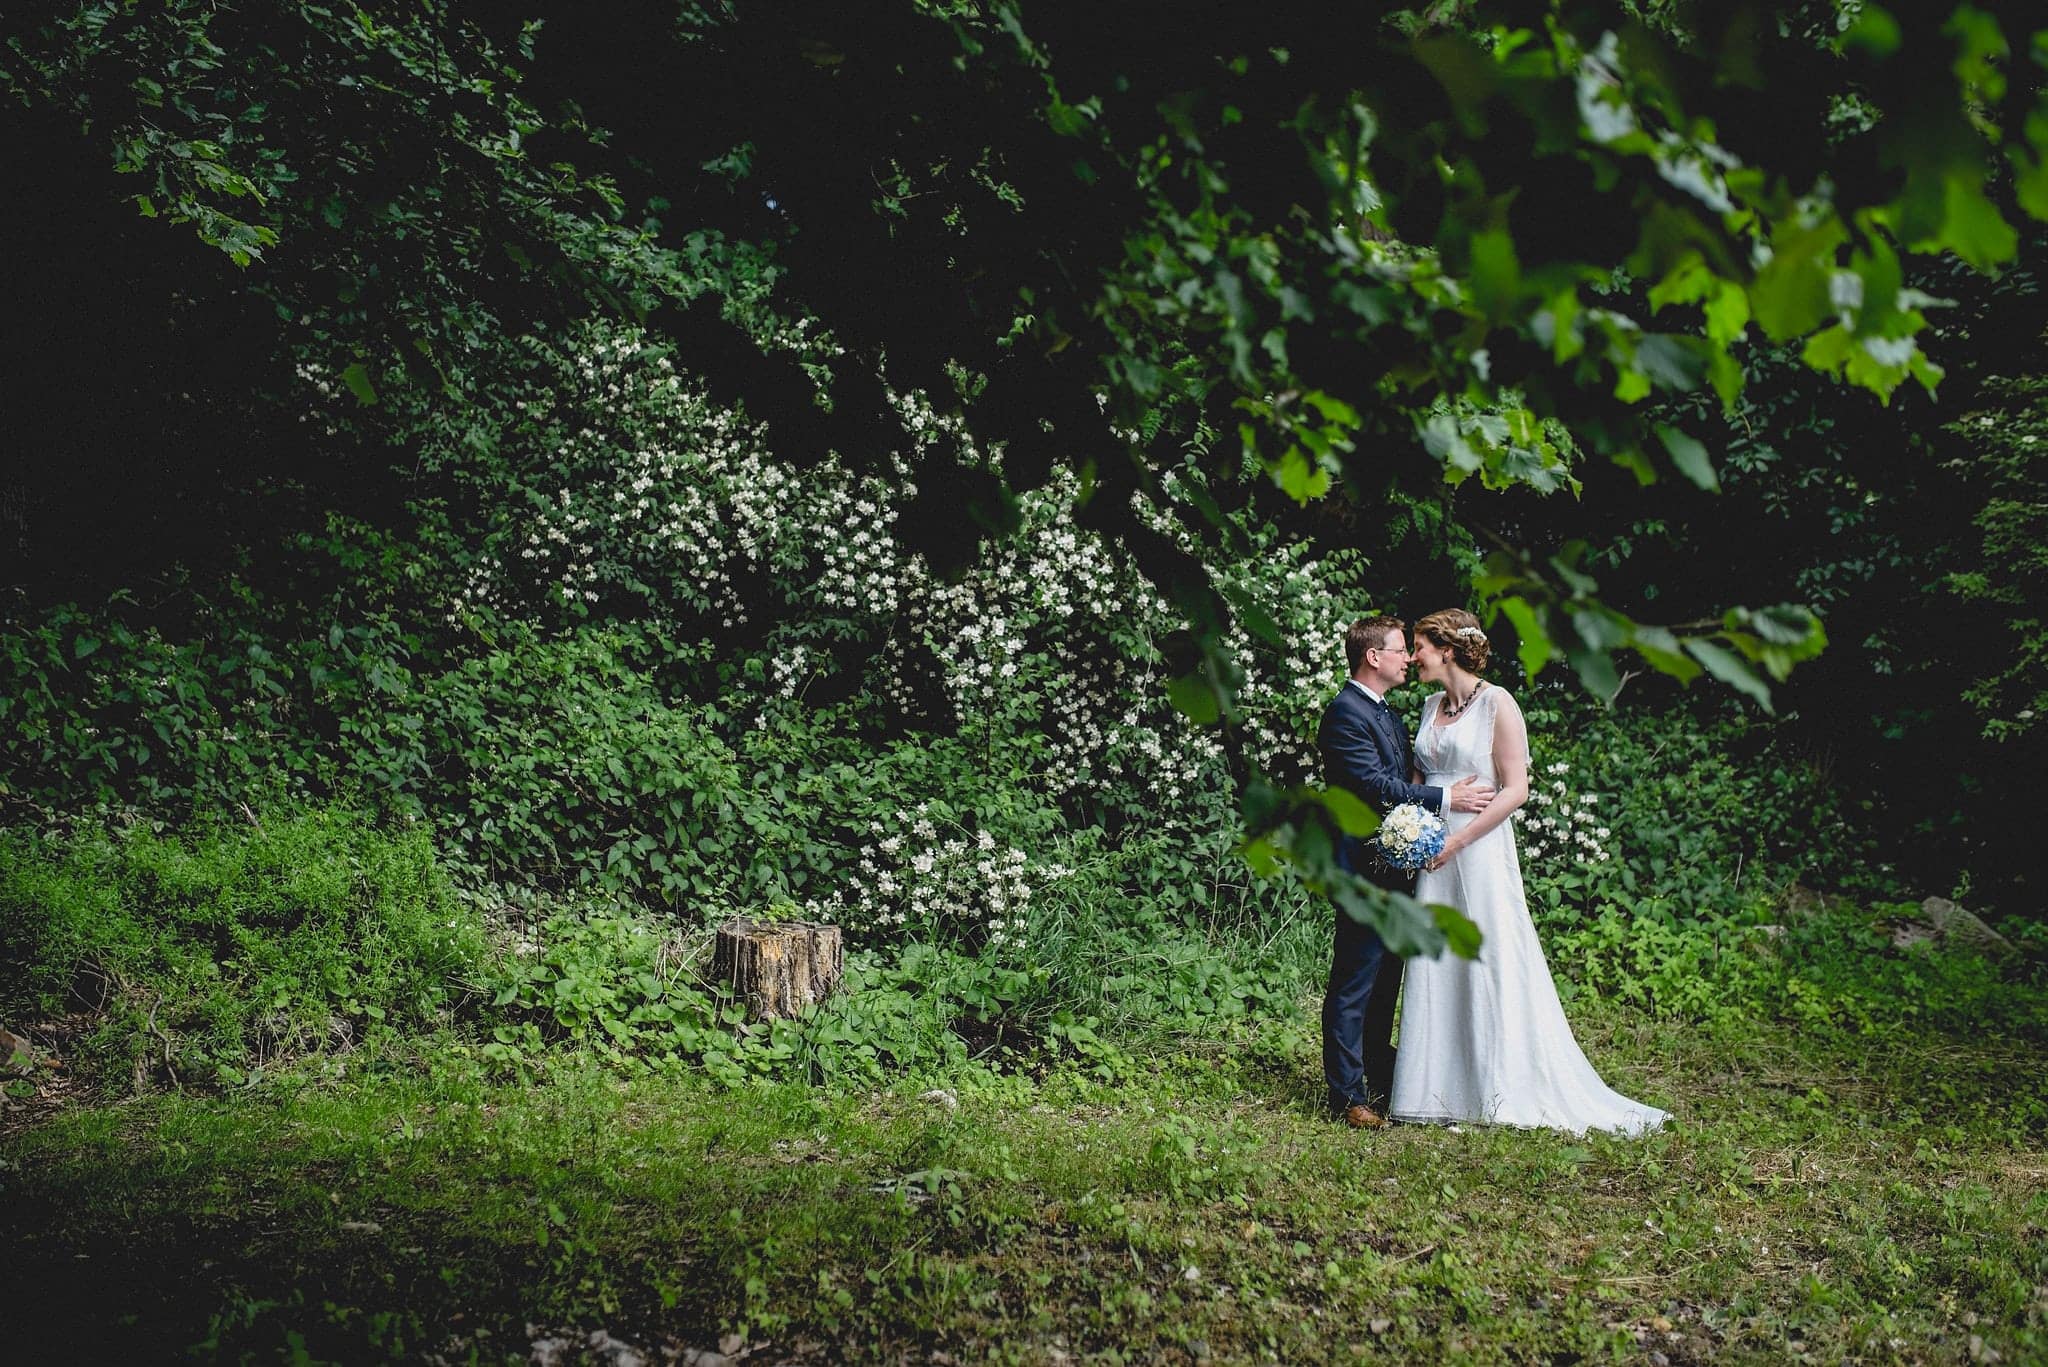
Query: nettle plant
(619, 488)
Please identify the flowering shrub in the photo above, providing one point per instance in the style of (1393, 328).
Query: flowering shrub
(915, 877)
(1562, 836)
(1561, 820)
(623, 490)
(621, 646)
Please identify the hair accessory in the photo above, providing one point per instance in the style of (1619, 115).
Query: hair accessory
(1470, 631)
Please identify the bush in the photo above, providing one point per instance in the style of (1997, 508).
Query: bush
(1696, 807)
(1660, 870)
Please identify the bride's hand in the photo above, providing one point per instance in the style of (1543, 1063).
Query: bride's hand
(1449, 852)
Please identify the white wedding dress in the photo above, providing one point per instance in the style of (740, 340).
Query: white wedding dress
(1486, 1039)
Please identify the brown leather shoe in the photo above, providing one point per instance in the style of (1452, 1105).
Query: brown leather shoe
(1360, 1116)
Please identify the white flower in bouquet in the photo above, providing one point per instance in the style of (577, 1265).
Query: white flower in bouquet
(1410, 836)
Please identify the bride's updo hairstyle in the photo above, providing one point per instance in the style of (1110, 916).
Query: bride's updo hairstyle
(1457, 631)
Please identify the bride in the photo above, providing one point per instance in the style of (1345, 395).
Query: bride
(1486, 1039)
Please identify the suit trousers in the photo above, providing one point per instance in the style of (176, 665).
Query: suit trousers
(1358, 1017)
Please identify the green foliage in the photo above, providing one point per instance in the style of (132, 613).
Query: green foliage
(2007, 564)
(742, 588)
(1689, 805)
(1191, 1160)
(1142, 316)
(563, 761)
(224, 952)
(1160, 937)
(1287, 250)
(602, 981)
(1096, 966)
(1642, 833)
(752, 714)
(1134, 1220)
(1703, 908)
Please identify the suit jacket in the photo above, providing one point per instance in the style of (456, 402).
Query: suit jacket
(1366, 752)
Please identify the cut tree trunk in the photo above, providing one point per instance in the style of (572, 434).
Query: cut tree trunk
(778, 968)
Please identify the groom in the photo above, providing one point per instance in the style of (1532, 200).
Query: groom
(1366, 752)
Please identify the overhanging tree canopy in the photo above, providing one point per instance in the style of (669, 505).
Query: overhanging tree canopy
(1316, 250)
(1342, 246)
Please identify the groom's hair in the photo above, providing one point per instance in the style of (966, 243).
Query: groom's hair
(1368, 633)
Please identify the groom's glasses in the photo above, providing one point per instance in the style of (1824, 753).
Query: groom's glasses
(1395, 650)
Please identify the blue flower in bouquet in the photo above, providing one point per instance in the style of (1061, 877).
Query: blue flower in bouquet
(1410, 836)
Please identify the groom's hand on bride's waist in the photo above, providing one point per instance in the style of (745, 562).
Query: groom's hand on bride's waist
(1468, 794)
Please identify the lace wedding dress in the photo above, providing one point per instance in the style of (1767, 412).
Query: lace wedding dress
(1486, 1039)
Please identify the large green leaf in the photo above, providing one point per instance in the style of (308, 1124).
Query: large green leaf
(1408, 927)
(1461, 936)
(357, 377)
(1689, 454)
(1532, 643)
(1194, 697)
(1972, 226)
(1731, 669)
(1353, 815)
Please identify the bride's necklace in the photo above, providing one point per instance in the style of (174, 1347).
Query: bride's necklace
(1453, 709)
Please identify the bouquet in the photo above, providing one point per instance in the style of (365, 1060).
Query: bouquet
(1409, 837)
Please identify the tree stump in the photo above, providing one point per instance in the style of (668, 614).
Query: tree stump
(778, 967)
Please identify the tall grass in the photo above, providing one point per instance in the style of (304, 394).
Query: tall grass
(202, 954)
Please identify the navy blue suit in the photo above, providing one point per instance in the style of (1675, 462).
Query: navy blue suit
(1366, 752)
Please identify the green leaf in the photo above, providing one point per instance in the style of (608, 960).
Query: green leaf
(1565, 564)
(1496, 274)
(1253, 617)
(1333, 409)
(1731, 669)
(2030, 172)
(1664, 654)
(1263, 803)
(1874, 32)
(1404, 923)
(1788, 624)
(1263, 857)
(1689, 454)
(1829, 351)
(1194, 697)
(1353, 815)
(1635, 462)
(1971, 225)
(1725, 373)
(1461, 936)
(1585, 646)
(357, 378)
(1595, 670)
(1556, 326)
(1300, 478)
(1790, 296)
(1533, 645)
(1443, 438)
(1727, 311)
(1670, 362)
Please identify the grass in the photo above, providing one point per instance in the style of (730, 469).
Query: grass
(1823, 1197)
